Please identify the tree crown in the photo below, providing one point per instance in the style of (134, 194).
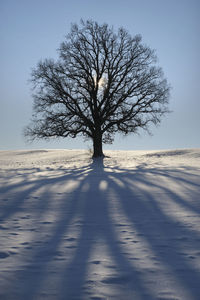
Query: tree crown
(103, 82)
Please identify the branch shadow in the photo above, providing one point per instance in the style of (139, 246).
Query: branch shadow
(109, 237)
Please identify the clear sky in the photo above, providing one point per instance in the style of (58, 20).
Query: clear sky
(32, 30)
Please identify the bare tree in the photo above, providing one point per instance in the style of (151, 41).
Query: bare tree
(103, 82)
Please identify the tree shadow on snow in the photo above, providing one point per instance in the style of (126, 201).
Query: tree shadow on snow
(115, 211)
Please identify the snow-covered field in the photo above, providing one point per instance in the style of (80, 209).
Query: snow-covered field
(127, 227)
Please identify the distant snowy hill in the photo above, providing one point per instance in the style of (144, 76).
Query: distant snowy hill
(127, 227)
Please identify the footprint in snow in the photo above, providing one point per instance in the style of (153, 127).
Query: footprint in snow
(3, 227)
(117, 279)
(70, 239)
(5, 254)
(95, 262)
(25, 217)
(25, 243)
(191, 257)
(111, 267)
(46, 222)
(121, 243)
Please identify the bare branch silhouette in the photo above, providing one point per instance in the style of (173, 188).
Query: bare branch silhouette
(104, 82)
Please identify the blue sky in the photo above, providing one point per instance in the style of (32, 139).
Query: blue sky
(33, 30)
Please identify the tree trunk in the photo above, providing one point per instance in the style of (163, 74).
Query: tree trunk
(97, 145)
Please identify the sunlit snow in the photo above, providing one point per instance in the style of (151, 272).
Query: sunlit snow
(127, 227)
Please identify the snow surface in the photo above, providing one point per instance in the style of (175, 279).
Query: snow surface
(127, 227)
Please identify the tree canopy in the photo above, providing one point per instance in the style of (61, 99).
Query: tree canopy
(105, 81)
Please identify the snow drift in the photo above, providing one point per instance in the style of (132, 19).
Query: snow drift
(126, 227)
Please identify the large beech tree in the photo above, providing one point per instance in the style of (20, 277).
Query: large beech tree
(103, 82)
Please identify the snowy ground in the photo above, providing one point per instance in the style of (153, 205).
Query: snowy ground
(124, 228)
